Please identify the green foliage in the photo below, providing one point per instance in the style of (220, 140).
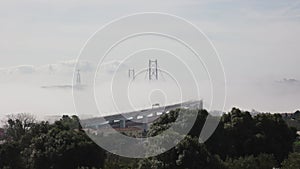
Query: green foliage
(193, 155)
(114, 161)
(150, 163)
(297, 147)
(262, 161)
(163, 123)
(244, 135)
(277, 137)
(237, 129)
(18, 125)
(297, 115)
(166, 120)
(188, 154)
(243, 141)
(292, 162)
(10, 156)
(68, 123)
(293, 120)
(63, 149)
(43, 145)
(238, 135)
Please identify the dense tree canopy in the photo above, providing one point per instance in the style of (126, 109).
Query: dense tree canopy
(292, 162)
(43, 145)
(262, 161)
(243, 141)
(240, 134)
(189, 153)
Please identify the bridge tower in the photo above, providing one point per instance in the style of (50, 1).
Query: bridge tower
(78, 78)
(153, 70)
(131, 74)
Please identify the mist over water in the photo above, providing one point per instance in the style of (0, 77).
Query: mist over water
(24, 93)
(27, 94)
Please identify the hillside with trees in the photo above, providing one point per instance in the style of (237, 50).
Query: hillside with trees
(240, 141)
(293, 120)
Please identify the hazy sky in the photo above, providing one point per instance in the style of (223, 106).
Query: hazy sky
(258, 42)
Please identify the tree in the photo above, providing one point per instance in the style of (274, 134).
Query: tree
(163, 123)
(262, 161)
(233, 135)
(10, 156)
(150, 163)
(193, 155)
(17, 125)
(296, 115)
(32, 145)
(188, 154)
(16, 129)
(69, 123)
(63, 146)
(114, 161)
(297, 147)
(292, 162)
(275, 137)
(244, 141)
(240, 134)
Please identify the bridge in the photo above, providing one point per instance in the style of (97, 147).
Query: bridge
(138, 119)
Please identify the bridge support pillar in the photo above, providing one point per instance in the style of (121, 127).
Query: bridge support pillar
(122, 123)
(145, 123)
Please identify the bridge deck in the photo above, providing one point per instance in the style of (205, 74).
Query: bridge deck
(140, 116)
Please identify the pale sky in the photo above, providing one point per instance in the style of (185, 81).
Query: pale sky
(258, 42)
